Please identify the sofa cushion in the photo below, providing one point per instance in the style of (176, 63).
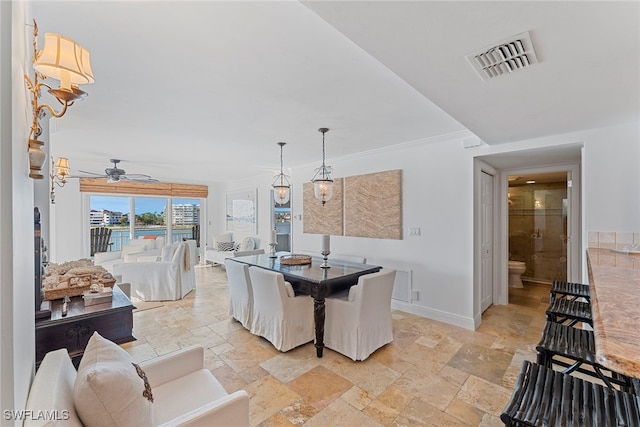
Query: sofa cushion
(108, 390)
(247, 244)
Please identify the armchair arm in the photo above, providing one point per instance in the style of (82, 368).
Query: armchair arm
(230, 410)
(174, 365)
(100, 257)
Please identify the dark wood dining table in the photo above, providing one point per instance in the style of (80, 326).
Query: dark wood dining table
(317, 282)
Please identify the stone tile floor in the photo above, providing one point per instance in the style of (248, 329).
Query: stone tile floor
(432, 374)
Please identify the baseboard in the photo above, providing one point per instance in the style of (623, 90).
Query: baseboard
(430, 313)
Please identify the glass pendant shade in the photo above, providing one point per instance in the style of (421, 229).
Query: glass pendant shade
(281, 194)
(281, 186)
(323, 189)
(322, 182)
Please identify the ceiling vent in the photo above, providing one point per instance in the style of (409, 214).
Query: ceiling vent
(505, 57)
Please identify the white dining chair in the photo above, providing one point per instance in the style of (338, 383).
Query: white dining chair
(278, 315)
(240, 291)
(359, 323)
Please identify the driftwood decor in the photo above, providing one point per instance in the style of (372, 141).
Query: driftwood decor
(362, 206)
(322, 219)
(373, 205)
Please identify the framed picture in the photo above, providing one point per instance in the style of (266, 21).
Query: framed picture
(242, 212)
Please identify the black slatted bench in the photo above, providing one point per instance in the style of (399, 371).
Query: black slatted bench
(569, 290)
(560, 342)
(569, 310)
(544, 397)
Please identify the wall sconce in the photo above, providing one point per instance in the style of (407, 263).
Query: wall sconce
(322, 182)
(64, 60)
(59, 173)
(281, 186)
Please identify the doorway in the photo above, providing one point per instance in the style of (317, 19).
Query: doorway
(558, 159)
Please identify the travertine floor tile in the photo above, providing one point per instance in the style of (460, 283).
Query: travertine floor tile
(431, 374)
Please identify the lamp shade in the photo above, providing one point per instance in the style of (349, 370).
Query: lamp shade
(323, 189)
(62, 166)
(281, 194)
(63, 59)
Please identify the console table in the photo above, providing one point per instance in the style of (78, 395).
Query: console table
(113, 320)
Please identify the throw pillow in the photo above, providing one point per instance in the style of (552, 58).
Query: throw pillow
(224, 237)
(225, 246)
(150, 237)
(108, 390)
(247, 244)
(130, 249)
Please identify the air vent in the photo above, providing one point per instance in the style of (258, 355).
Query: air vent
(507, 56)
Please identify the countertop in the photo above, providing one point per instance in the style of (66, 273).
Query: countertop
(614, 280)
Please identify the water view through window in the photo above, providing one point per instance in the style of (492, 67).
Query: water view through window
(150, 217)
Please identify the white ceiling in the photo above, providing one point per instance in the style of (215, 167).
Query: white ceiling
(202, 91)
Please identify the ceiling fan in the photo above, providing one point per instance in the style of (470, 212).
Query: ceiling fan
(115, 174)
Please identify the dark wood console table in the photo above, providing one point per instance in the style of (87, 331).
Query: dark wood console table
(112, 320)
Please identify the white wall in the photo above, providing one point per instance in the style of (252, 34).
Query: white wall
(17, 352)
(438, 198)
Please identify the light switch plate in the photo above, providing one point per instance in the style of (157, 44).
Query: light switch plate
(414, 231)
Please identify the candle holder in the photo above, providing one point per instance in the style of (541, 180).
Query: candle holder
(325, 262)
(272, 250)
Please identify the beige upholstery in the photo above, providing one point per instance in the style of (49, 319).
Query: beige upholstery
(240, 292)
(359, 323)
(162, 280)
(283, 319)
(185, 393)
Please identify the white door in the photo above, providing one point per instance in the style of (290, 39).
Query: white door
(486, 202)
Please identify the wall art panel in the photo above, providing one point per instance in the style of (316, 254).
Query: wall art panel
(373, 205)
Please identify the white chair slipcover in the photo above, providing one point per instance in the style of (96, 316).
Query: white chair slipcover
(160, 280)
(279, 316)
(240, 292)
(359, 324)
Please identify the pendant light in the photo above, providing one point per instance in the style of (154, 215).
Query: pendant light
(281, 186)
(322, 182)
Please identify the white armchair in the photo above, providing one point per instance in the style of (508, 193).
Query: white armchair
(184, 392)
(278, 315)
(171, 278)
(358, 324)
(240, 292)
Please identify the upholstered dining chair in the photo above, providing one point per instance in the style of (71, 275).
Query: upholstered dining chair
(278, 315)
(240, 292)
(359, 323)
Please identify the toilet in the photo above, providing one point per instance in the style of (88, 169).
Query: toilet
(516, 268)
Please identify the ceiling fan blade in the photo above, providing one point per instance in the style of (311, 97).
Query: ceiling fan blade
(139, 178)
(93, 173)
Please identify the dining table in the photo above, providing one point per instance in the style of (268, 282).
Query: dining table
(315, 281)
(614, 284)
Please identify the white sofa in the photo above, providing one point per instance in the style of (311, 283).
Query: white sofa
(168, 276)
(242, 246)
(130, 252)
(185, 393)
